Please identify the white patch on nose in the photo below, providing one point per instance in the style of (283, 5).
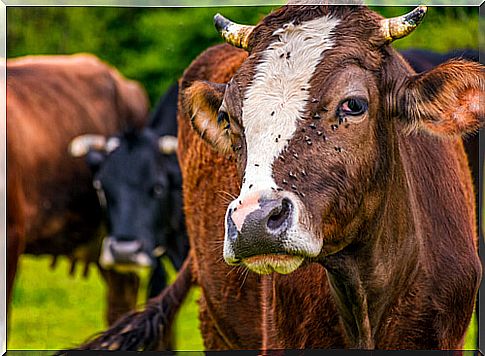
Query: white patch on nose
(273, 105)
(275, 101)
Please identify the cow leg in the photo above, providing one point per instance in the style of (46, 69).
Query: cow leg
(158, 280)
(15, 230)
(156, 284)
(15, 247)
(122, 293)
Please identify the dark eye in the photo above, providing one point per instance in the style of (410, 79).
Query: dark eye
(223, 118)
(353, 107)
(97, 184)
(157, 191)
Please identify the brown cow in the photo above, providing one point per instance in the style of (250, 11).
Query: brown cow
(322, 156)
(52, 207)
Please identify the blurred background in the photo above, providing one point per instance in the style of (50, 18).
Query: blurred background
(52, 310)
(155, 45)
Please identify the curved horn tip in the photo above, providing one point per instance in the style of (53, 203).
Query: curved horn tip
(401, 26)
(220, 22)
(80, 145)
(112, 144)
(168, 144)
(235, 34)
(417, 15)
(75, 149)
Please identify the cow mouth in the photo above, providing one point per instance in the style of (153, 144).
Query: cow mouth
(274, 236)
(279, 263)
(123, 257)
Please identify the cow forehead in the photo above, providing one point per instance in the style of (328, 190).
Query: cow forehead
(134, 163)
(277, 97)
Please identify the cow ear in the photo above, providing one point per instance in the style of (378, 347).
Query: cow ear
(446, 100)
(202, 101)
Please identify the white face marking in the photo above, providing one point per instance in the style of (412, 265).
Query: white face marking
(275, 101)
(271, 109)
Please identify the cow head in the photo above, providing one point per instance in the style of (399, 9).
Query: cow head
(137, 178)
(312, 117)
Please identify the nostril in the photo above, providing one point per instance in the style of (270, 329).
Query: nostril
(279, 215)
(124, 247)
(124, 237)
(231, 230)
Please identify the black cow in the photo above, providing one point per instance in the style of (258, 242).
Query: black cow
(138, 181)
(422, 60)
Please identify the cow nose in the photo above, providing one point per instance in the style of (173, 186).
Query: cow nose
(277, 220)
(260, 228)
(125, 247)
(123, 250)
(124, 238)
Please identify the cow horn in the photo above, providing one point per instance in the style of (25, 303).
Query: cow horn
(233, 33)
(80, 145)
(167, 144)
(112, 144)
(398, 27)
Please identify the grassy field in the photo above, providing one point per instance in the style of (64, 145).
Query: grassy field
(52, 310)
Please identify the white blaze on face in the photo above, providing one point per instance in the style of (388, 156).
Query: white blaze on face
(275, 101)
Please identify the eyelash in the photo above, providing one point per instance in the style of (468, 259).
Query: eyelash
(223, 116)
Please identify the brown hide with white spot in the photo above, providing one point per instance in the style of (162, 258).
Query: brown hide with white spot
(231, 297)
(382, 203)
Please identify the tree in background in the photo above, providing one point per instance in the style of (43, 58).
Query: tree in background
(155, 45)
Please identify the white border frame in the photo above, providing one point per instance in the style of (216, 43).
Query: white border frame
(3, 178)
(179, 3)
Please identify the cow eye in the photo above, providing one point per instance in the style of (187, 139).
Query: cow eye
(353, 107)
(157, 191)
(97, 184)
(223, 118)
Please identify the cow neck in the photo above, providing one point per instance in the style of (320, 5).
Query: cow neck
(370, 277)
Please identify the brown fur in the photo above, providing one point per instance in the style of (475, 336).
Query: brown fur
(225, 327)
(52, 207)
(383, 201)
(464, 113)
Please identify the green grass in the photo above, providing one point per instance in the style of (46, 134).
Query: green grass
(51, 310)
